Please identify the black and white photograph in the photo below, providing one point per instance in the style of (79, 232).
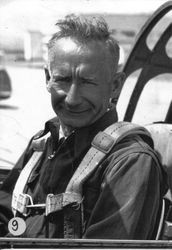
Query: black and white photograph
(85, 124)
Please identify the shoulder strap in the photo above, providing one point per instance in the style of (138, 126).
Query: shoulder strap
(120, 130)
(102, 144)
(18, 198)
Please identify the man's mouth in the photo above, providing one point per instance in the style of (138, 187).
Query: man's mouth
(77, 112)
(72, 111)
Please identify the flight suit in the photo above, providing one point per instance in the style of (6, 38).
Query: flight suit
(121, 198)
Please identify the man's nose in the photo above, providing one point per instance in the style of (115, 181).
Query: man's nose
(73, 97)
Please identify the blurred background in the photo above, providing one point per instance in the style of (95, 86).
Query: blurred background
(25, 27)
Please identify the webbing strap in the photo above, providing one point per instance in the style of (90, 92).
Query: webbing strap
(21, 182)
(102, 144)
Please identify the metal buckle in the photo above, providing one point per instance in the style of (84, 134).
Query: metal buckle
(21, 201)
(53, 203)
(103, 142)
(59, 201)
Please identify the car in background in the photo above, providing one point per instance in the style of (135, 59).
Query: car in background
(5, 92)
(5, 81)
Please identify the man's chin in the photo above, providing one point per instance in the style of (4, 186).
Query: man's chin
(75, 124)
(78, 121)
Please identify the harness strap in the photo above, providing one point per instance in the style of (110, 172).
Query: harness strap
(71, 200)
(19, 199)
(102, 144)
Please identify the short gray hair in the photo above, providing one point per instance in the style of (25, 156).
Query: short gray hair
(85, 30)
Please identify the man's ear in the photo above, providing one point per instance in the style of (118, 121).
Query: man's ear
(118, 82)
(47, 75)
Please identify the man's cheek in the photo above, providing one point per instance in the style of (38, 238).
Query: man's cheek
(57, 97)
(56, 104)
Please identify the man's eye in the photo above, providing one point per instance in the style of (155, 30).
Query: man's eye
(62, 80)
(65, 79)
(87, 81)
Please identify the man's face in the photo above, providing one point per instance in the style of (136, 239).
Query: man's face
(81, 81)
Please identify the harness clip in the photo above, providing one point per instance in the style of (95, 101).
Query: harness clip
(103, 142)
(59, 201)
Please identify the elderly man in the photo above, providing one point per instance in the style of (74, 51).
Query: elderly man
(68, 194)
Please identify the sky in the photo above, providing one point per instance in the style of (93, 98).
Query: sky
(42, 14)
(16, 16)
(63, 6)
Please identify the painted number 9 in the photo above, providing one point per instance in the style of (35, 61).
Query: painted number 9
(16, 226)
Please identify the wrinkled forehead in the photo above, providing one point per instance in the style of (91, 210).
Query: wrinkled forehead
(66, 46)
